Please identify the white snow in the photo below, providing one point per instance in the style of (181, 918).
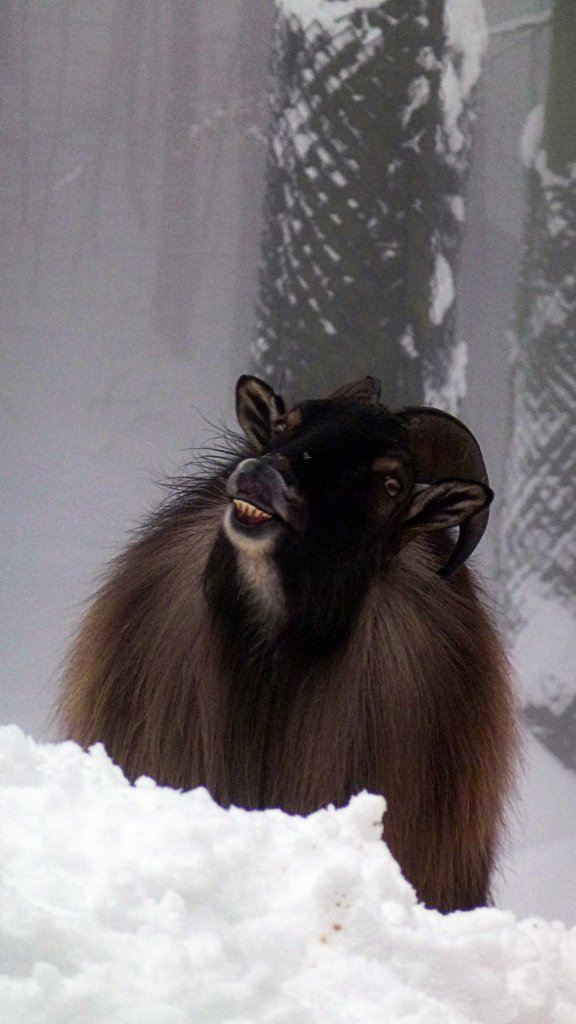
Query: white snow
(442, 288)
(449, 394)
(467, 39)
(549, 178)
(418, 95)
(467, 35)
(330, 14)
(302, 140)
(457, 207)
(521, 23)
(328, 326)
(552, 308)
(142, 905)
(531, 135)
(427, 58)
(534, 155)
(408, 342)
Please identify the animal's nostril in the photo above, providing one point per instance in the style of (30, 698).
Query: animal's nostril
(253, 487)
(282, 466)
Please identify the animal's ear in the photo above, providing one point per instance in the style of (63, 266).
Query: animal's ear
(257, 408)
(445, 504)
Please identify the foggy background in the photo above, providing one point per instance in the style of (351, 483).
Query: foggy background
(132, 176)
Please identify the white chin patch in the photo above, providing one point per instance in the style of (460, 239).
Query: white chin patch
(257, 540)
(259, 576)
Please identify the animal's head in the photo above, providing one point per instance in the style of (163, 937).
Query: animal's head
(341, 474)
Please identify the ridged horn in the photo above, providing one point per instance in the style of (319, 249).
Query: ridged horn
(444, 449)
(366, 390)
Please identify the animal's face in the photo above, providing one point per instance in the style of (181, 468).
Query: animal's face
(343, 472)
(329, 471)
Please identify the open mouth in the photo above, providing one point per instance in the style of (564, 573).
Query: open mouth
(248, 514)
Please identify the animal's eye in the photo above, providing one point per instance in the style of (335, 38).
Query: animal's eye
(392, 486)
(359, 473)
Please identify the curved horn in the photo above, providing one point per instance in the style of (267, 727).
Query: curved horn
(366, 390)
(443, 448)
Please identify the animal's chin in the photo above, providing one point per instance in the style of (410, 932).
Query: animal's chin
(249, 526)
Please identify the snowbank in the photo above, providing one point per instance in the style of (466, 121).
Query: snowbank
(141, 905)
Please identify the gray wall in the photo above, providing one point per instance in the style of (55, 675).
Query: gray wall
(132, 149)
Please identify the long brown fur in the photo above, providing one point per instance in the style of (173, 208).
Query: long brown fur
(416, 705)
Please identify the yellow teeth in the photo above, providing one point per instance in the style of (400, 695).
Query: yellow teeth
(249, 513)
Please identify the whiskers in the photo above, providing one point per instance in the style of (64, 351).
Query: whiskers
(202, 476)
(223, 446)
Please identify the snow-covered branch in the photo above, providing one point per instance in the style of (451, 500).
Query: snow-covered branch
(520, 24)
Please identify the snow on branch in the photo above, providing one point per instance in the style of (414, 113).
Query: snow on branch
(519, 24)
(327, 13)
(143, 905)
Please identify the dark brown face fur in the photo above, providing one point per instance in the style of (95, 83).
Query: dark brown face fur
(281, 634)
(310, 522)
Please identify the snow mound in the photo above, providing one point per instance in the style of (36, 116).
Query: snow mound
(142, 905)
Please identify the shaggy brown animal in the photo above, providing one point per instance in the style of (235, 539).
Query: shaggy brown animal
(299, 626)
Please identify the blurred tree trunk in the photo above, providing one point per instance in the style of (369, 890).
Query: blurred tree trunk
(179, 255)
(256, 27)
(372, 116)
(538, 550)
